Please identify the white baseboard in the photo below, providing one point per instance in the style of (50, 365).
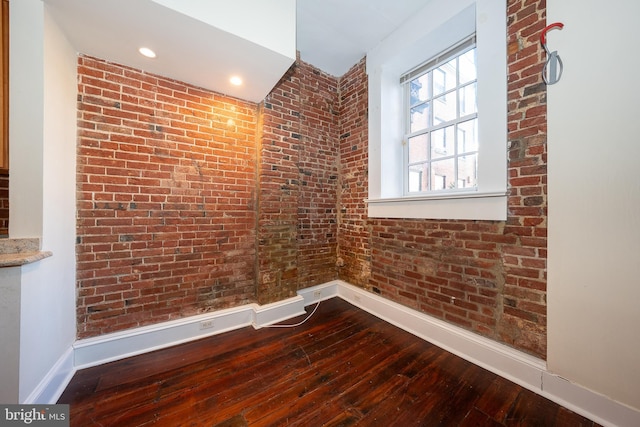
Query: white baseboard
(278, 311)
(523, 369)
(516, 366)
(505, 361)
(106, 348)
(321, 292)
(592, 405)
(119, 345)
(53, 384)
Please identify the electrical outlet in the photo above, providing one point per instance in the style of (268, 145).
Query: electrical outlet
(206, 324)
(317, 294)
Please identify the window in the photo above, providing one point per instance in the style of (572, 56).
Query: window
(441, 122)
(438, 115)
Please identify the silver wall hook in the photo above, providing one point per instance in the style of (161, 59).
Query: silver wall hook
(552, 70)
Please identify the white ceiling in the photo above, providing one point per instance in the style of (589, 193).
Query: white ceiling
(332, 35)
(188, 47)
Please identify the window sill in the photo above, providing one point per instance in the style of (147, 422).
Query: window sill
(18, 252)
(476, 206)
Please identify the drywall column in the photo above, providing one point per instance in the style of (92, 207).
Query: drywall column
(594, 194)
(14, 254)
(42, 132)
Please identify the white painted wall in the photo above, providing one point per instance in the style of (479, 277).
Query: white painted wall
(42, 187)
(594, 198)
(10, 333)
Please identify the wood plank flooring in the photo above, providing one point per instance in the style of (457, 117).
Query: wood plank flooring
(342, 367)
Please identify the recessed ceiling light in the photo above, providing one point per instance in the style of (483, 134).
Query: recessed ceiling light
(235, 80)
(147, 52)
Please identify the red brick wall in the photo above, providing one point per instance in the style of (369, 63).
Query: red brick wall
(489, 277)
(190, 201)
(279, 190)
(297, 234)
(166, 199)
(318, 168)
(354, 234)
(524, 319)
(4, 204)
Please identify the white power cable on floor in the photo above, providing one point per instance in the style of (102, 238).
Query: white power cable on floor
(297, 324)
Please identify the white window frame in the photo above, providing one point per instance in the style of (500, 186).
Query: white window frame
(438, 26)
(430, 68)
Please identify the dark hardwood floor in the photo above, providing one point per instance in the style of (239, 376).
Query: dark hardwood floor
(342, 367)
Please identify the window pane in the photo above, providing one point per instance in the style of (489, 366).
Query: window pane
(468, 171)
(444, 108)
(468, 103)
(467, 66)
(418, 148)
(443, 174)
(418, 177)
(442, 141)
(420, 117)
(419, 89)
(444, 77)
(468, 136)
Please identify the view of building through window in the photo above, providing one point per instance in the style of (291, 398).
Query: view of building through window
(441, 137)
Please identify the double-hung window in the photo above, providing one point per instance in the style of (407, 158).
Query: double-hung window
(438, 115)
(441, 123)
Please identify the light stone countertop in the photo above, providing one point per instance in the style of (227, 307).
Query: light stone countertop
(17, 252)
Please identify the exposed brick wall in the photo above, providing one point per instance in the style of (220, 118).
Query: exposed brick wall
(486, 276)
(354, 237)
(166, 199)
(279, 188)
(190, 201)
(297, 232)
(524, 320)
(318, 168)
(4, 204)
